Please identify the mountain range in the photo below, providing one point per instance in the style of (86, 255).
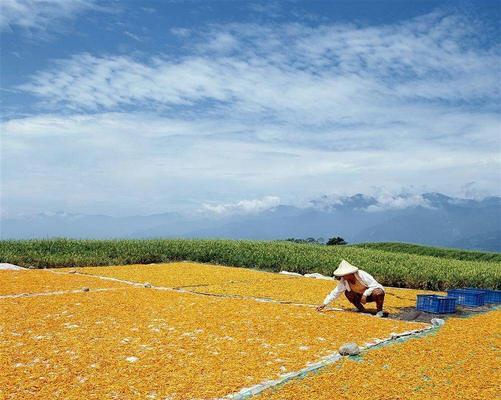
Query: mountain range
(431, 219)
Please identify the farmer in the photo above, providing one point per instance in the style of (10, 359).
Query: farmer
(358, 286)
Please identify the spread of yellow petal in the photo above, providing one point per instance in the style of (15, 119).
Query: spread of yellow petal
(211, 279)
(460, 361)
(42, 281)
(307, 291)
(179, 274)
(138, 342)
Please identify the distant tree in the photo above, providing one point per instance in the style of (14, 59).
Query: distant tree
(336, 241)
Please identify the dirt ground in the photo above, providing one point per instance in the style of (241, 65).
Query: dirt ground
(411, 314)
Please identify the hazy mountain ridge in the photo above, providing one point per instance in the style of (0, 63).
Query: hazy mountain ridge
(431, 218)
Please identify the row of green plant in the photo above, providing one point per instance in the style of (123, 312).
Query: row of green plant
(456, 254)
(392, 269)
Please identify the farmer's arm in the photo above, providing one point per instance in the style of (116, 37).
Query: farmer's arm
(333, 295)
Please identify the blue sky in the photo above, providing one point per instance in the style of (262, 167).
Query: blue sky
(137, 107)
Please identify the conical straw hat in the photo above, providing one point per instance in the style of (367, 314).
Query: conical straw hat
(345, 268)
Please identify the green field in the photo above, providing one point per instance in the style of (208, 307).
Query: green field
(390, 268)
(455, 254)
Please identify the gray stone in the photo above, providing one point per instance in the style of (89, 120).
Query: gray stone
(349, 349)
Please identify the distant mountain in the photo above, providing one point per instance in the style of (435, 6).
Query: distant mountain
(432, 219)
(487, 241)
(446, 222)
(82, 226)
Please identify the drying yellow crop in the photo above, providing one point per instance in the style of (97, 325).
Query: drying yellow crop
(215, 279)
(460, 361)
(152, 344)
(180, 274)
(41, 281)
(307, 291)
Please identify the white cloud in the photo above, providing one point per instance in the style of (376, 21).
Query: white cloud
(130, 163)
(269, 8)
(40, 14)
(389, 201)
(336, 73)
(221, 42)
(133, 36)
(181, 32)
(255, 206)
(289, 110)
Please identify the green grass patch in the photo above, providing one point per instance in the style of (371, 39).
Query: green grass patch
(390, 268)
(453, 254)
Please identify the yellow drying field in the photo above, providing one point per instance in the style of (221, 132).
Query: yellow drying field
(43, 281)
(183, 346)
(202, 342)
(180, 274)
(306, 291)
(461, 361)
(211, 279)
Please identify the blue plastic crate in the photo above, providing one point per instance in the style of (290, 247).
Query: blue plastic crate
(435, 304)
(468, 297)
(491, 296)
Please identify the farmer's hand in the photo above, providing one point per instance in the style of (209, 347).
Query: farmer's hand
(363, 300)
(320, 308)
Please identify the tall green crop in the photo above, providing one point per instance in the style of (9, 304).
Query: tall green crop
(390, 268)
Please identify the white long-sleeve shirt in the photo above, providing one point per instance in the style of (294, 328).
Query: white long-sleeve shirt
(363, 277)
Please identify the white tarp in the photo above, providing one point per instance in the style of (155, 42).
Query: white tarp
(4, 266)
(314, 275)
(289, 273)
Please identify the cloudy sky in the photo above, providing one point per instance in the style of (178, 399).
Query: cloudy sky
(138, 107)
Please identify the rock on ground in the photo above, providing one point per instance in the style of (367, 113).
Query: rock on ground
(349, 349)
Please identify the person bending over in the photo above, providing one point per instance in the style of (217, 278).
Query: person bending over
(358, 286)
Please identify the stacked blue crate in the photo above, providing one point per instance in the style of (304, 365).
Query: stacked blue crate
(468, 297)
(435, 304)
(491, 296)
